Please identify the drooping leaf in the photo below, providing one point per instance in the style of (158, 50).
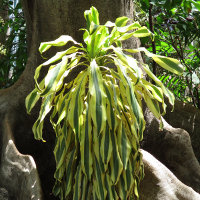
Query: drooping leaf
(131, 99)
(53, 77)
(153, 106)
(44, 110)
(61, 41)
(69, 175)
(76, 106)
(124, 145)
(100, 188)
(111, 193)
(128, 61)
(31, 100)
(77, 186)
(115, 162)
(97, 97)
(59, 55)
(106, 146)
(86, 145)
(166, 92)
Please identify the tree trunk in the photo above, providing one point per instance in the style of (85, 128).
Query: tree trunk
(186, 116)
(46, 20)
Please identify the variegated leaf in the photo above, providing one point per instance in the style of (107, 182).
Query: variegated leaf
(61, 41)
(77, 185)
(86, 145)
(44, 110)
(97, 97)
(124, 145)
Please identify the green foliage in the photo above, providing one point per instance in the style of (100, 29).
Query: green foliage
(97, 117)
(13, 50)
(177, 34)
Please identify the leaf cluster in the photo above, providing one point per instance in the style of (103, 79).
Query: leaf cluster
(97, 117)
(176, 27)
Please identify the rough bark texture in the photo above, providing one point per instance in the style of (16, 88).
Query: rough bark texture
(47, 20)
(172, 146)
(18, 172)
(161, 184)
(187, 117)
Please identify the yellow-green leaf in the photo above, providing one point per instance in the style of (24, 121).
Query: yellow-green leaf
(124, 145)
(61, 41)
(129, 27)
(97, 97)
(170, 64)
(121, 21)
(142, 32)
(153, 106)
(77, 185)
(86, 145)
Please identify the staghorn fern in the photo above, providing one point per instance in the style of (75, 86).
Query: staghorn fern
(97, 117)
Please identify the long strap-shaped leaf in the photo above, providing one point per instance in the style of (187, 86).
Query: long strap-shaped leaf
(128, 61)
(111, 193)
(53, 77)
(69, 176)
(167, 63)
(33, 98)
(63, 143)
(77, 186)
(61, 41)
(76, 106)
(168, 94)
(86, 145)
(128, 175)
(115, 162)
(106, 144)
(44, 110)
(99, 183)
(116, 165)
(131, 99)
(124, 145)
(60, 67)
(97, 97)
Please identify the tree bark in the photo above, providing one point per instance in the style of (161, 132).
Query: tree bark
(172, 147)
(161, 184)
(186, 116)
(46, 20)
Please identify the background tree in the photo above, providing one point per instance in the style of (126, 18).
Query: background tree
(13, 42)
(177, 34)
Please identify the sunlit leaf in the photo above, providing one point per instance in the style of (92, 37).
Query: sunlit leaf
(121, 21)
(142, 32)
(97, 115)
(169, 64)
(61, 41)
